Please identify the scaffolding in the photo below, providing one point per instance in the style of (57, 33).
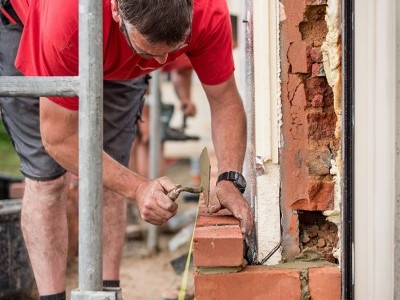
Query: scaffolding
(87, 85)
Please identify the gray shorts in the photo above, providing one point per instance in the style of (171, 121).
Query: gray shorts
(123, 102)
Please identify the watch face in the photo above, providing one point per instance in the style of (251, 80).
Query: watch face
(240, 182)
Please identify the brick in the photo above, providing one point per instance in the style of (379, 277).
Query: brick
(320, 197)
(298, 58)
(16, 190)
(296, 91)
(317, 70)
(319, 86)
(295, 11)
(321, 125)
(317, 101)
(254, 282)
(216, 220)
(316, 54)
(216, 246)
(324, 283)
(319, 162)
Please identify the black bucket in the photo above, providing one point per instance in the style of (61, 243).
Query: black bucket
(16, 276)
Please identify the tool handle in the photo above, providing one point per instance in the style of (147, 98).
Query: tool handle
(174, 194)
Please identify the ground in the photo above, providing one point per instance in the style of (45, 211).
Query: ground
(146, 276)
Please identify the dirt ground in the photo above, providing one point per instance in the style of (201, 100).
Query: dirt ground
(146, 276)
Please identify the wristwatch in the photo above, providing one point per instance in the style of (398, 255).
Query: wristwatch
(236, 177)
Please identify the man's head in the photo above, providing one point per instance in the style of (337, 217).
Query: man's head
(154, 27)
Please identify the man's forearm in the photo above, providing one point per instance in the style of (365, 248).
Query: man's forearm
(59, 128)
(229, 136)
(228, 125)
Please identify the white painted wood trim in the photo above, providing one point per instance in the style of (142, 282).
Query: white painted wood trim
(374, 148)
(267, 126)
(266, 77)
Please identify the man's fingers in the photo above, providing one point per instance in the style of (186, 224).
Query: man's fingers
(166, 203)
(166, 183)
(214, 205)
(230, 198)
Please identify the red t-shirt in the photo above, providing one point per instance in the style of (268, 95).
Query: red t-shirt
(49, 43)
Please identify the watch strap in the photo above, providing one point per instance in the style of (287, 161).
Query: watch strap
(235, 177)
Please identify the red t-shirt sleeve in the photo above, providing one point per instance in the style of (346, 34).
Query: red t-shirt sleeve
(63, 62)
(212, 58)
(46, 47)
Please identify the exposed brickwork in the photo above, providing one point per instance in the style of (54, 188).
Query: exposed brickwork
(255, 282)
(324, 283)
(309, 119)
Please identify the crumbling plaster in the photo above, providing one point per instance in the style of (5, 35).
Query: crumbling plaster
(331, 51)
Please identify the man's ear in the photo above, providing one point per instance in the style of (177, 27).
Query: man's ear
(115, 11)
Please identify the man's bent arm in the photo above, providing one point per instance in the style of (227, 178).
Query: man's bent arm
(59, 130)
(228, 125)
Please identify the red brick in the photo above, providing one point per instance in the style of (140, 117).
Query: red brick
(216, 246)
(321, 125)
(319, 161)
(298, 58)
(16, 190)
(317, 101)
(255, 283)
(216, 220)
(317, 70)
(316, 54)
(325, 283)
(320, 197)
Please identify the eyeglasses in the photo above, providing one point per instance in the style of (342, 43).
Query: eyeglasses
(148, 55)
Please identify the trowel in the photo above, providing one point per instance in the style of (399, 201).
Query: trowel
(204, 187)
(179, 263)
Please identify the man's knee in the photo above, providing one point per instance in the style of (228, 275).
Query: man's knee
(52, 191)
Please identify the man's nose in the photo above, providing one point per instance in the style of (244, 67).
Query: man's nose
(162, 58)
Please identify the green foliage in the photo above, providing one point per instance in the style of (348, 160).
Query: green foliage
(9, 160)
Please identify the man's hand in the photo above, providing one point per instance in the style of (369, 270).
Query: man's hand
(154, 205)
(226, 195)
(188, 108)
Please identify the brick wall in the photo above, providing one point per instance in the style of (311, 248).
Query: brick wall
(222, 274)
(310, 165)
(309, 122)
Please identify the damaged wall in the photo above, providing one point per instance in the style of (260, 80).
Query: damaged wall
(311, 131)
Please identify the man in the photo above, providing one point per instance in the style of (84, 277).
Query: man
(139, 36)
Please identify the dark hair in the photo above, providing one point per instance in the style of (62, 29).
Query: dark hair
(159, 21)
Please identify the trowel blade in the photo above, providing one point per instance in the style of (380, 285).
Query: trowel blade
(205, 174)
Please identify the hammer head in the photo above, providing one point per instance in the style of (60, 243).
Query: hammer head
(205, 174)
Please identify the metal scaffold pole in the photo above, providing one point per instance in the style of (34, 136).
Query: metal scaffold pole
(155, 147)
(90, 144)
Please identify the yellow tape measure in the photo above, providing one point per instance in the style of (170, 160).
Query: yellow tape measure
(182, 290)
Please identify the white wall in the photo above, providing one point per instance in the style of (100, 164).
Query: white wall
(374, 148)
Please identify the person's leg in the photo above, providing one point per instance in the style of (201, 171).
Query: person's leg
(43, 217)
(114, 223)
(139, 157)
(123, 103)
(44, 226)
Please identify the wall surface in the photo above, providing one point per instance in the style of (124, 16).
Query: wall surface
(375, 57)
(311, 127)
